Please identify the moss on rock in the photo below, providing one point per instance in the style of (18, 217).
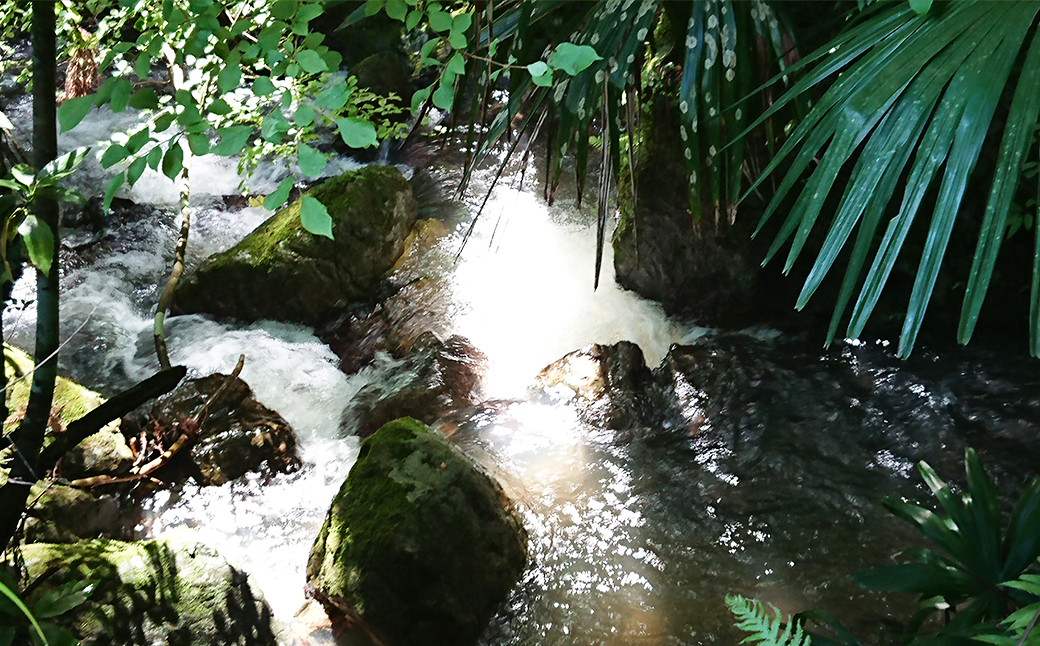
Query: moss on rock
(281, 271)
(162, 593)
(420, 543)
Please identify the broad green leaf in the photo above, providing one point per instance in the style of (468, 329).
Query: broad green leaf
(414, 16)
(280, 194)
(229, 78)
(23, 174)
(64, 165)
(310, 61)
(419, 98)
(284, 9)
(143, 66)
(440, 20)
(232, 140)
(263, 86)
(39, 242)
(396, 9)
(120, 96)
(154, 157)
(55, 603)
(372, 7)
(199, 143)
(541, 74)
(461, 23)
(357, 133)
(113, 155)
(573, 59)
(315, 217)
(220, 107)
(72, 111)
(312, 162)
(135, 170)
(444, 97)
(334, 97)
(304, 116)
(309, 12)
(921, 6)
(275, 127)
(144, 99)
(173, 161)
(457, 64)
(458, 40)
(113, 186)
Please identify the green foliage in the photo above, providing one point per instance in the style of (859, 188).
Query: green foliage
(974, 554)
(753, 617)
(912, 101)
(19, 621)
(22, 188)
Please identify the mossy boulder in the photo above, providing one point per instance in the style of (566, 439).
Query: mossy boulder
(62, 514)
(155, 593)
(281, 271)
(420, 545)
(105, 452)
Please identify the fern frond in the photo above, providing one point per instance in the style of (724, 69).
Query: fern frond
(754, 617)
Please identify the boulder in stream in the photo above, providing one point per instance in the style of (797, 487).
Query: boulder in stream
(281, 271)
(420, 545)
(152, 593)
(239, 435)
(437, 379)
(105, 452)
(607, 383)
(61, 514)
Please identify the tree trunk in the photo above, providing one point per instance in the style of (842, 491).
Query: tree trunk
(28, 438)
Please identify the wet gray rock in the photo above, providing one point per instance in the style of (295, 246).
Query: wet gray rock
(61, 514)
(240, 435)
(436, 378)
(607, 383)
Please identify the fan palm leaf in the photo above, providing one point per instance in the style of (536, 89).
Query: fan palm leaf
(912, 107)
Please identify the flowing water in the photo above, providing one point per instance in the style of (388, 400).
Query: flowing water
(636, 535)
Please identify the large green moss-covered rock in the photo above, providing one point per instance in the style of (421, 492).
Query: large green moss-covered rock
(281, 271)
(154, 593)
(420, 544)
(105, 452)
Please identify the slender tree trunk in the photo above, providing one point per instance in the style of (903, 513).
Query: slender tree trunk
(28, 438)
(166, 300)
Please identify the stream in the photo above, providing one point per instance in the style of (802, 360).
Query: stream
(760, 470)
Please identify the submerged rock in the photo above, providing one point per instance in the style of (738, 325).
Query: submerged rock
(607, 383)
(152, 593)
(281, 271)
(420, 545)
(437, 378)
(239, 435)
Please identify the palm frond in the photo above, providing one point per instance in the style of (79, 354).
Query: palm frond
(764, 628)
(924, 87)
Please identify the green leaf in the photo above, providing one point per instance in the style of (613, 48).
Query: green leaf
(419, 98)
(304, 116)
(13, 598)
(283, 9)
(357, 133)
(263, 86)
(199, 143)
(412, 20)
(220, 107)
(541, 74)
(73, 111)
(309, 12)
(232, 140)
(154, 157)
(461, 23)
(444, 97)
(396, 9)
(113, 155)
(275, 127)
(143, 66)
(120, 97)
(921, 6)
(315, 217)
(573, 59)
(457, 64)
(458, 40)
(113, 186)
(440, 20)
(145, 99)
(136, 169)
(23, 174)
(173, 161)
(65, 165)
(55, 603)
(312, 162)
(39, 242)
(229, 78)
(334, 97)
(280, 194)
(311, 61)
